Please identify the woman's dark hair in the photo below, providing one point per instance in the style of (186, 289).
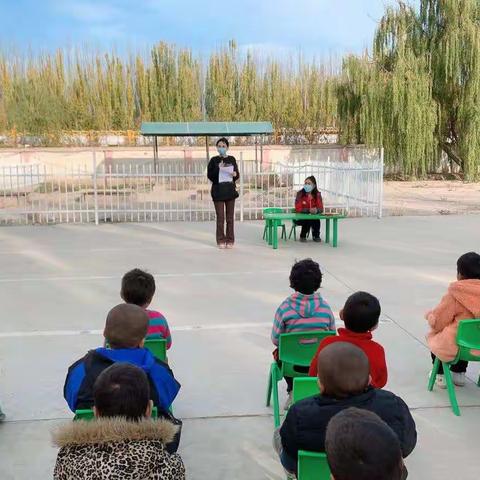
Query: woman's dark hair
(361, 312)
(223, 139)
(122, 390)
(315, 189)
(305, 276)
(138, 287)
(468, 266)
(361, 446)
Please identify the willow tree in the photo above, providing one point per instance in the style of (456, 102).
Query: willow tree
(419, 93)
(451, 33)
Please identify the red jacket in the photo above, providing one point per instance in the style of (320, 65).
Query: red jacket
(373, 350)
(305, 201)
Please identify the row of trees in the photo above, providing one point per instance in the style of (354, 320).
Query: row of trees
(50, 93)
(416, 93)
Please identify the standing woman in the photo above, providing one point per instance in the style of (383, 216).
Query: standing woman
(223, 172)
(309, 200)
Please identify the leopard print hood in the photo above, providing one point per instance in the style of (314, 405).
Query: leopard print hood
(116, 448)
(104, 430)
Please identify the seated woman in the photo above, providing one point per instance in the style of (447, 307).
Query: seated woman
(309, 200)
(123, 441)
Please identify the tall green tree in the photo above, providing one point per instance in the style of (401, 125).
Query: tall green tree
(419, 94)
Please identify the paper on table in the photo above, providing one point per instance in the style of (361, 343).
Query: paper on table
(225, 174)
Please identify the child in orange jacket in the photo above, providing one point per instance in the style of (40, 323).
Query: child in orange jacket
(461, 302)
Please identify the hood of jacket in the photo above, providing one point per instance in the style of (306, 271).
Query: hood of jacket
(467, 293)
(115, 448)
(141, 357)
(305, 305)
(106, 430)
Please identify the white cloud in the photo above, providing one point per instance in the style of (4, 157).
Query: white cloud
(88, 11)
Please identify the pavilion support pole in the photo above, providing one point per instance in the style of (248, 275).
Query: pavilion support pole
(261, 153)
(155, 154)
(256, 152)
(207, 149)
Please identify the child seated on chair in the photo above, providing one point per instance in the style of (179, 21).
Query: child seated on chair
(343, 376)
(303, 311)
(138, 288)
(461, 302)
(125, 331)
(123, 441)
(361, 446)
(360, 315)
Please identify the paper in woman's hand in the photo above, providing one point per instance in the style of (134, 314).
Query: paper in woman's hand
(225, 174)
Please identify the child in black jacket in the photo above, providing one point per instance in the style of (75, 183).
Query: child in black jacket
(343, 372)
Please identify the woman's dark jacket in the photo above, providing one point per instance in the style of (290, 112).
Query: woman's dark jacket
(222, 192)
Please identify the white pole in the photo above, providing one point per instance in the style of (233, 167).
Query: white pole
(242, 171)
(380, 199)
(95, 193)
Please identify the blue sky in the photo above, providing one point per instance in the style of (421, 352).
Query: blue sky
(316, 27)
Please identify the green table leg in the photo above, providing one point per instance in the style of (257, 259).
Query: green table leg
(327, 230)
(335, 232)
(275, 234)
(270, 232)
(266, 236)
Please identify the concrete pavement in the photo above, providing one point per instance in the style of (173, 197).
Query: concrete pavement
(57, 284)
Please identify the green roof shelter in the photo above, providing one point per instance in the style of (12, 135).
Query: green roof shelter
(205, 129)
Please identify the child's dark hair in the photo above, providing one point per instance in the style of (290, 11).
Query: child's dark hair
(468, 266)
(361, 446)
(223, 139)
(361, 312)
(343, 370)
(305, 276)
(138, 287)
(122, 390)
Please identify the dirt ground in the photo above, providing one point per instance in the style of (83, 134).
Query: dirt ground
(431, 197)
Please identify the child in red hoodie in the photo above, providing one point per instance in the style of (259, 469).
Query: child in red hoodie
(360, 315)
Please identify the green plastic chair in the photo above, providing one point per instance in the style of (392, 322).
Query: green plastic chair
(279, 224)
(294, 349)
(312, 466)
(88, 415)
(293, 230)
(158, 347)
(468, 341)
(304, 387)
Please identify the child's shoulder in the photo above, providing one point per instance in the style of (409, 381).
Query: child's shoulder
(321, 299)
(154, 314)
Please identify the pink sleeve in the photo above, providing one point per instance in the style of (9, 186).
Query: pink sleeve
(443, 314)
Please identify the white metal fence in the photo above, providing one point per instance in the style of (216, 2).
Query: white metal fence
(131, 191)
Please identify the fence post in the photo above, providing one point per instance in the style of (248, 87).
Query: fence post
(95, 197)
(242, 170)
(380, 199)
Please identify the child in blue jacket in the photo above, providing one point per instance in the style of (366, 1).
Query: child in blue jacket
(125, 330)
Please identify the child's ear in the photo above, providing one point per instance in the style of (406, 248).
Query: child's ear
(142, 344)
(320, 386)
(148, 411)
(340, 314)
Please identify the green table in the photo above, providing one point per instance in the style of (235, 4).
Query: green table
(273, 220)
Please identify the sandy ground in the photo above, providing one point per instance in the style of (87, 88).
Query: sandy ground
(58, 282)
(431, 198)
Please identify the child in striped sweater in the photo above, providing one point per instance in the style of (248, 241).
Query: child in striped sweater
(305, 310)
(138, 287)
